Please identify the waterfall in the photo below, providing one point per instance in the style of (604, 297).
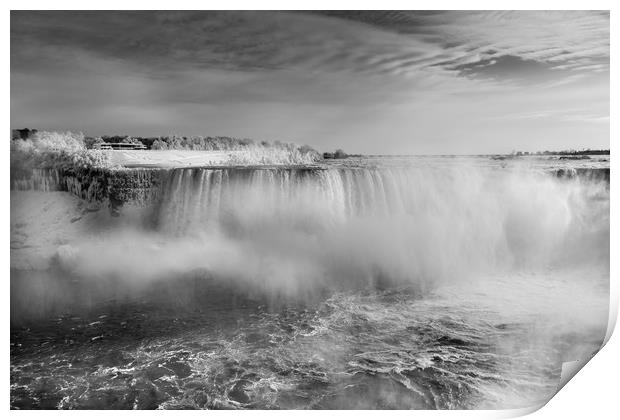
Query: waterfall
(39, 180)
(292, 228)
(418, 219)
(135, 186)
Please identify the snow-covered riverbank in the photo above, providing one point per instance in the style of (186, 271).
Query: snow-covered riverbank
(202, 158)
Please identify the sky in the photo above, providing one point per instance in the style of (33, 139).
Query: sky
(373, 82)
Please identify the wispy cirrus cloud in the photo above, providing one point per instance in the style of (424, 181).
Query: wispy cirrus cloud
(327, 78)
(480, 41)
(467, 43)
(558, 115)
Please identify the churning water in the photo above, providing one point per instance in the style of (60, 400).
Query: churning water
(369, 283)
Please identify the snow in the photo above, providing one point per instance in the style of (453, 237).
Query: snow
(172, 158)
(44, 224)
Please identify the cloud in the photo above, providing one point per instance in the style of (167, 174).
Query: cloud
(558, 115)
(571, 39)
(398, 43)
(368, 81)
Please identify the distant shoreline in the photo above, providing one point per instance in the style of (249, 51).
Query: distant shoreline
(577, 153)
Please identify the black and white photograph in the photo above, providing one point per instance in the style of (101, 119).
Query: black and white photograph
(306, 209)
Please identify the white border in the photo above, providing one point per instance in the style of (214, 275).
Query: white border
(592, 393)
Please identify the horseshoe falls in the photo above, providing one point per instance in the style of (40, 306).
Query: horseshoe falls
(396, 283)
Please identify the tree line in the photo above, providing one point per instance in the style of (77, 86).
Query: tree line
(175, 142)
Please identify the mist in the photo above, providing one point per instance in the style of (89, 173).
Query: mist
(291, 235)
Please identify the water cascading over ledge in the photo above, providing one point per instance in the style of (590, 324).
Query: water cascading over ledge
(589, 174)
(95, 184)
(417, 219)
(458, 208)
(113, 187)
